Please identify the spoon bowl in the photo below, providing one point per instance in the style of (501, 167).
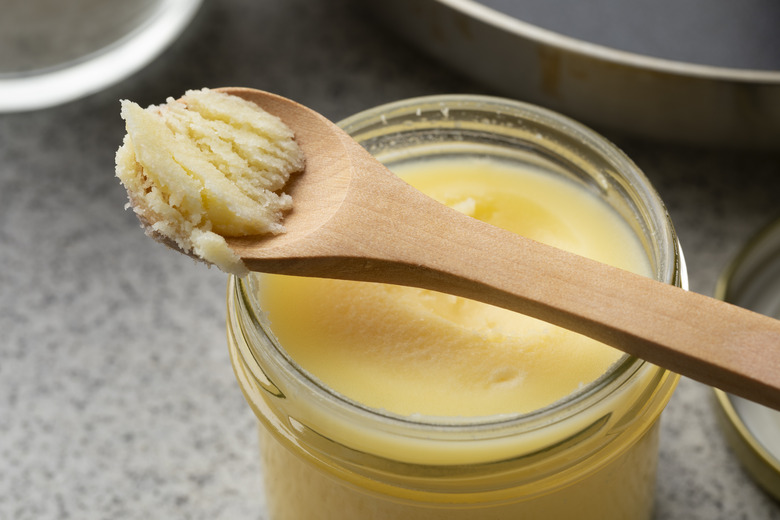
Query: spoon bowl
(354, 219)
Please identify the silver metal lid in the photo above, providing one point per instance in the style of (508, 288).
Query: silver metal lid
(753, 281)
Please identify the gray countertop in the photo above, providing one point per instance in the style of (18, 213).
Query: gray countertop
(117, 399)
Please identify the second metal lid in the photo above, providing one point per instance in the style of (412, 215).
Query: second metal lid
(753, 281)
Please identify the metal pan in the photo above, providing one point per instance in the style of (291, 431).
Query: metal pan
(646, 94)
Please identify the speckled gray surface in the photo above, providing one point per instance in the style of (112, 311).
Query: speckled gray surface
(117, 399)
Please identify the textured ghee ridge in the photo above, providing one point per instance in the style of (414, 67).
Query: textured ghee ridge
(206, 166)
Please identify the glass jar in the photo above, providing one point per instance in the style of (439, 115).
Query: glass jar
(54, 51)
(590, 455)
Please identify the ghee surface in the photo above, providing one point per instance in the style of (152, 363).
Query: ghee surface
(412, 351)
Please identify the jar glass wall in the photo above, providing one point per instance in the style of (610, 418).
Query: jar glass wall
(590, 455)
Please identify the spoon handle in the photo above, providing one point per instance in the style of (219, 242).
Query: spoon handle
(708, 340)
(386, 231)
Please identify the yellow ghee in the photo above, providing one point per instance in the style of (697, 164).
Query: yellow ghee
(414, 351)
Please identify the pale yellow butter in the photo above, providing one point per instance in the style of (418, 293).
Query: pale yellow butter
(206, 166)
(418, 352)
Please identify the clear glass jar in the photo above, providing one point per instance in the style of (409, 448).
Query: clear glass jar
(54, 51)
(590, 455)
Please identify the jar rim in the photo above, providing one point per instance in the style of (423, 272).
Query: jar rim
(618, 374)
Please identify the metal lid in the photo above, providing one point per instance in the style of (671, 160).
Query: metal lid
(753, 281)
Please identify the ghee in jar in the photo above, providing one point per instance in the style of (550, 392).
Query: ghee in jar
(414, 351)
(380, 402)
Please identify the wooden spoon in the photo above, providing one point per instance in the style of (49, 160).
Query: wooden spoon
(354, 219)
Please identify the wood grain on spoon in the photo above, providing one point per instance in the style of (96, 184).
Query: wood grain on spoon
(353, 219)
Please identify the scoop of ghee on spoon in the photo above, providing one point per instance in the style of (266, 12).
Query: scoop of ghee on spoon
(204, 167)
